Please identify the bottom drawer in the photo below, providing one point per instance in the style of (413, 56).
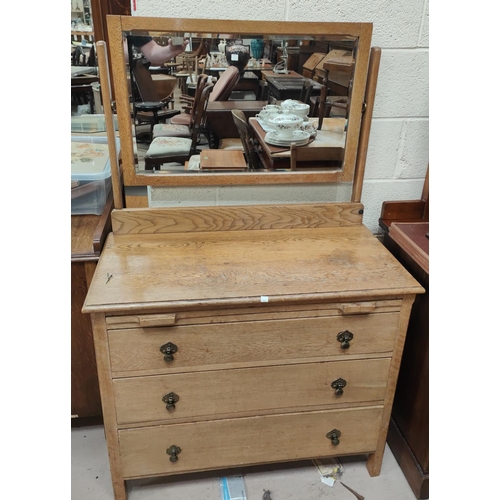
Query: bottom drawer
(247, 441)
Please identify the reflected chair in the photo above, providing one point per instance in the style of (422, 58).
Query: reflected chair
(249, 143)
(174, 129)
(152, 109)
(178, 149)
(323, 105)
(184, 118)
(225, 84)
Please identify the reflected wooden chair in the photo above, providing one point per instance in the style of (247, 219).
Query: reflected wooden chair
(249, 143)
(152, 109)
(178, 149)
(225, 84)
(182, 128)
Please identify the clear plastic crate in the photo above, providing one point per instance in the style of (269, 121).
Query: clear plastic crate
(90, 174)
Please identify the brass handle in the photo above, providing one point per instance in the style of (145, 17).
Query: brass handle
(168, 350)
(173, 451)
(339, 385)
(334, 435)
(344, 338)
(170, 399)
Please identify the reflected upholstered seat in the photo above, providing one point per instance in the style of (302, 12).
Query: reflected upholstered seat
(178, 149)
(175, 129)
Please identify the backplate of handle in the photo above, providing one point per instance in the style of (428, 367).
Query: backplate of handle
(170, 399)
(173, 451)
(334, 436)
(344, 338)
(339, 385)
(168, 349)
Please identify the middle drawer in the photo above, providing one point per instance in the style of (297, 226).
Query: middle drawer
(237, 391)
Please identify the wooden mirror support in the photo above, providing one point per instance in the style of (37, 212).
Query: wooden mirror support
(120, 26)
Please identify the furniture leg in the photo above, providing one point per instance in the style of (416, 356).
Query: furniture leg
(108, 406)
(374, 463)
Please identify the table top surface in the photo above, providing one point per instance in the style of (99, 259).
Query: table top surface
(270, 73)
(413, 238)
(88, 232)
(291, 83)
(332, 134)
(222, 159)
(242, 104)
(232, 267)
(83, 71)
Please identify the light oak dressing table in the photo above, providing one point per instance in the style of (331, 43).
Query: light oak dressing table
(243, 335)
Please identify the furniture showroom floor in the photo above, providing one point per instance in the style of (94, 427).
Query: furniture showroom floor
(90, 478)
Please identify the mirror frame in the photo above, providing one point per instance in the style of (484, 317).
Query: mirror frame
(321, 31)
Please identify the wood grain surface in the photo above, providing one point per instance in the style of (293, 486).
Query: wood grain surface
(210, 269)
(209, 394)
(235, 218)
(213, 346)
(244, 441)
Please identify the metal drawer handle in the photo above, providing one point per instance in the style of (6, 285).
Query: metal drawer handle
(170, 399)
(173, 451)
(344, 338)
(334, 435)
(168, 350)
(339, 385)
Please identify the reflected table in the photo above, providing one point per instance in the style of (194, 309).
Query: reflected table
(283, 87)
(332, 134)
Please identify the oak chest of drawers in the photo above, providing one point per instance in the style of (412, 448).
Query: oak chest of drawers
(244, 335)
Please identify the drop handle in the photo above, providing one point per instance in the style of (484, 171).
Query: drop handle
(168, 350)
(173, 451)
(333, 436)
(339, 385)
(344, 338)
(170, 399)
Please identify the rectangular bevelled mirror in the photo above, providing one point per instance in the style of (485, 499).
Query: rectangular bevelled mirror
(282, 56)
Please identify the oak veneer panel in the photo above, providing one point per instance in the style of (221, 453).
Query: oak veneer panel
(244, 267)
(246, 441)
(201, 394)
(215, 345)
(235, 218)
(238, 314)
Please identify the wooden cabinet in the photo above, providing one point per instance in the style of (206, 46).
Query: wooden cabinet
(409, 427)
(88, 233)
(232, 336)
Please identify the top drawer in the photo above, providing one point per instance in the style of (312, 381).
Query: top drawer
(248, 342)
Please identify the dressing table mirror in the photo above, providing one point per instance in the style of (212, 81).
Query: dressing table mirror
(354, 36)
(204, 317)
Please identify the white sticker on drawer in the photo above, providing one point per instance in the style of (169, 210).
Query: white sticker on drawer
(264, 298)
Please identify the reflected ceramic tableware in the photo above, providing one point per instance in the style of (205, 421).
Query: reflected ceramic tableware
(308, 127)
(271, 107)
(265, 115)
(285, 124)
(296, 107)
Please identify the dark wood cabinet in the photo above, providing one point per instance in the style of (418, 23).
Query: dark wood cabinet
(88, 233)
(408, 435)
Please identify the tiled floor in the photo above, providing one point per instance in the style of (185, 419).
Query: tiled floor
(90, 478)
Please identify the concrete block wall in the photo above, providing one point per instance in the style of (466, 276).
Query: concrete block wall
(398, 152)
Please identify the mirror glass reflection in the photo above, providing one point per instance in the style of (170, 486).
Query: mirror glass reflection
(272, 70)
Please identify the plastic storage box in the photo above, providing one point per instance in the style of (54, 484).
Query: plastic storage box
(90, 175)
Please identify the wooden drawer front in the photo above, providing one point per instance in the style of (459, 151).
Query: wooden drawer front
(245, 441)
(205, 346)
(251, 390)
